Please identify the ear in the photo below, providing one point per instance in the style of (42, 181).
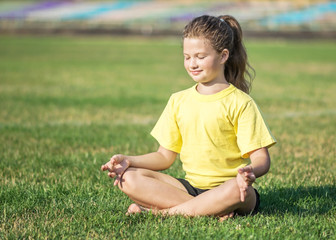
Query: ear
(224, 56)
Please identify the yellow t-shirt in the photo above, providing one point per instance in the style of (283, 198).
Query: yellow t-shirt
(212, 133)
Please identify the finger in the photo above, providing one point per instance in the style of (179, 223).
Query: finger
(242, 170)
(116, 181)
(251, 177)
(116, 159)
(246, 169)
(242, 195)
(249, 169)
(111, 174)
(113, 158)
(112, 162)
(106, 166)
(246, 176)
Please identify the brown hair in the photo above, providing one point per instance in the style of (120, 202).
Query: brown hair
(224, 32)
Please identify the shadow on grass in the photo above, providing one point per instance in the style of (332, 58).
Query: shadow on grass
(299, 200)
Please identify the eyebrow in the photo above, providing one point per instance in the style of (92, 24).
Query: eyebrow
(196, 53)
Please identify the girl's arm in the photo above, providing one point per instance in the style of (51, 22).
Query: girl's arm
(160, 160)
(260, 161)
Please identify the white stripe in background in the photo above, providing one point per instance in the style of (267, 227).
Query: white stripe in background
(61, 11)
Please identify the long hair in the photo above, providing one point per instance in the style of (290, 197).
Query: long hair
(224, 32)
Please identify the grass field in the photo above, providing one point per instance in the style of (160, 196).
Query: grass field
(68, 103)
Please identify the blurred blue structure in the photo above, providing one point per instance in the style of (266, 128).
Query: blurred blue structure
(305, 15)
(148, 16)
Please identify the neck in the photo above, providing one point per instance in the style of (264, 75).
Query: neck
(211, 88)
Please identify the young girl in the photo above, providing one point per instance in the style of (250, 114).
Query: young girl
(216, 127)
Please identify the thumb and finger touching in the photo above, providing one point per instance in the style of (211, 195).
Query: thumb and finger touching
(115, 159)
(116, 167)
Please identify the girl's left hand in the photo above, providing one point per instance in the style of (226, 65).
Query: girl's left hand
(245, 178)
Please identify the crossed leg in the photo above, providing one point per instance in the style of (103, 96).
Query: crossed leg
(153, 189)
(165, 194)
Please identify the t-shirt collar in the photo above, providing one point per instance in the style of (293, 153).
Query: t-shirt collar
(212, 97)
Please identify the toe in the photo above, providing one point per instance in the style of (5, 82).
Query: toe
(133, 208)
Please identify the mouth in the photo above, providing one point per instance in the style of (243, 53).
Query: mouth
(195, 73)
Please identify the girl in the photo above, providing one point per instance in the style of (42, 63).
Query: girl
(215, 126)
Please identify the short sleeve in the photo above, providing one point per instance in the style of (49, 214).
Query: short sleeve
(252, 130)
(166, 130)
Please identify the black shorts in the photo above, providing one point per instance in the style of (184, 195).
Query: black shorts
(197, 191)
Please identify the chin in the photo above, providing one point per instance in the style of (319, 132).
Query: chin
(198, 79)
(202, 81)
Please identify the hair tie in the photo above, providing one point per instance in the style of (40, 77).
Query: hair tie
(223, 21)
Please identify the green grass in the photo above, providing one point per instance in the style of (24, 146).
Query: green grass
(68, 103)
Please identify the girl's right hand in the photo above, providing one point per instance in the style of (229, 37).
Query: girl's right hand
(116, 167)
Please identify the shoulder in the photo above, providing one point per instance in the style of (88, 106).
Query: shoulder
(182, 93)
(240, 105)
(239, 98)
(180, 96)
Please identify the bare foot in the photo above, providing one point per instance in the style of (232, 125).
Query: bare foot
(135, 208)
(226, 217)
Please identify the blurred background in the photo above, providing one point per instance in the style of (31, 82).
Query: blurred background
(75, 89)
(259, 18)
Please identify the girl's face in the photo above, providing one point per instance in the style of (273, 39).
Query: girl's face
(202, 62)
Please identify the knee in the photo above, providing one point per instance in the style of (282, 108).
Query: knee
(129, 179)
(232, 189)
(250, 199)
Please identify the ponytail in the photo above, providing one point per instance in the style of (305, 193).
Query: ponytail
(224, 32)
(238, 71)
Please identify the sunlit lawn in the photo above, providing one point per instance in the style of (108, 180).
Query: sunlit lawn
(68, 103)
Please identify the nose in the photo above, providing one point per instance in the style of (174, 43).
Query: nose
(193, 63)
